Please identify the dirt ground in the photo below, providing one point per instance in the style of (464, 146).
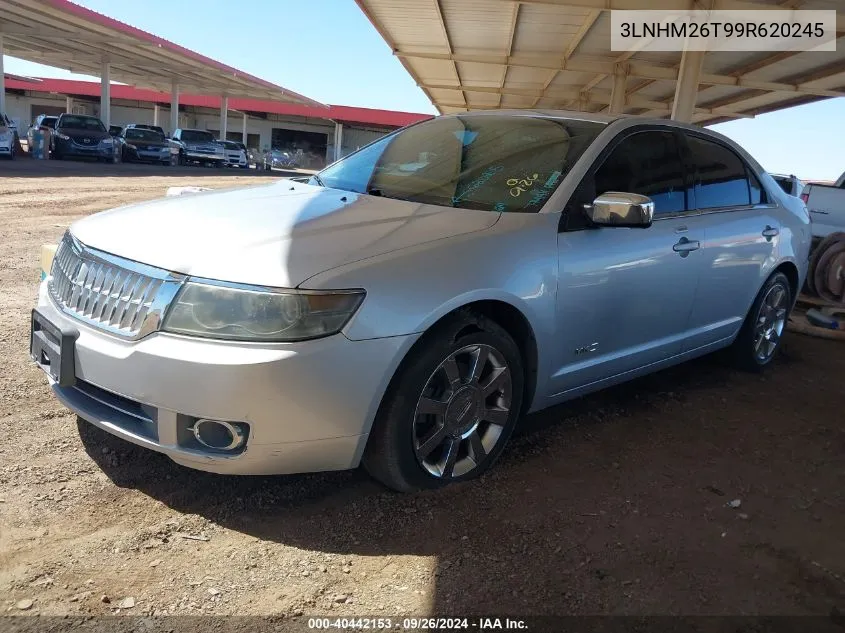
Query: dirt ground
(617, 503)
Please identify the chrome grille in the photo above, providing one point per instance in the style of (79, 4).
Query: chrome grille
(117, 295)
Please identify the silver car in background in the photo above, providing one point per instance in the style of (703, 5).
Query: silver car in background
(405, 306)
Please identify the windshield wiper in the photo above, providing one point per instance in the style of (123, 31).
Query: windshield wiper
(317, 179)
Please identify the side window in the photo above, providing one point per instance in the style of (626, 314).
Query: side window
(647, 163)
(721, 178)
(758, 194)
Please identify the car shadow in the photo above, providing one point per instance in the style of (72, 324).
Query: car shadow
(521, 539)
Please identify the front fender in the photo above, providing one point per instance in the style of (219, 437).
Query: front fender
(515, 262)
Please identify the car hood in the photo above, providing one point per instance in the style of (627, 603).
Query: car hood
(82, 134)
(273, 235)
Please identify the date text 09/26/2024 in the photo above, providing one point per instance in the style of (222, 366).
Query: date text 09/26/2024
(417, 624)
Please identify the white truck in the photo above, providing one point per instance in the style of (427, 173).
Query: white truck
(826, 204)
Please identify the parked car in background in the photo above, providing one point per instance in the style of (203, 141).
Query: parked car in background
(409, 303)
(279, 159)
(9, 140)
(42, 122)
(826, 204)
(198, 146)
(235, 154)
(790, 184)
(82, 135)
(143, 145)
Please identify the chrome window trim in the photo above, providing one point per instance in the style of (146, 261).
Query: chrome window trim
(170, 285)
(714, 210)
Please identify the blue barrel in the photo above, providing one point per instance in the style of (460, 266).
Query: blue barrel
(39, 145)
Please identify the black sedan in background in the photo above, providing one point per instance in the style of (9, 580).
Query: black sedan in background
(143, 145)
(80, 135)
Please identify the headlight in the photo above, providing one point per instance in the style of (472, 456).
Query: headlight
(107, 141)
(254, 314)
(64, 137)
(130, 146)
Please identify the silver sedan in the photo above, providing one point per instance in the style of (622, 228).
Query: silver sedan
(404, 307)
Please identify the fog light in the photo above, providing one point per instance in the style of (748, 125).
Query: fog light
(221, 436)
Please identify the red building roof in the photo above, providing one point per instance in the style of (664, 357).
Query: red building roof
(344, 114)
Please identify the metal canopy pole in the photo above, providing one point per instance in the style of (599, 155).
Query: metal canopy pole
(686, 90)
(2, 79)
(338, 140)
(617, 97)
(243, 129)
(105, 95)
(224, 117)
(174, 108)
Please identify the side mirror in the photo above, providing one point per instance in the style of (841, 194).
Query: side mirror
(617, 208)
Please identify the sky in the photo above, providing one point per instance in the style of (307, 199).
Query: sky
(329, 51)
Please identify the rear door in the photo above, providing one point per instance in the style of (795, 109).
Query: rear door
(625, 294)
(742, 239)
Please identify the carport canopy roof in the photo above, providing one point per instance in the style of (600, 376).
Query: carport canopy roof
(556, 54)
(65, 35)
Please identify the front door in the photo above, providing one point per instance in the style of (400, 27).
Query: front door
(625, 294)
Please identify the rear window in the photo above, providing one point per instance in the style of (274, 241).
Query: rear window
(143, 135)
(73, 122)
(491, 162)
(197, 136)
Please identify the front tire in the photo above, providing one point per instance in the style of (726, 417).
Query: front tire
(758, 341)
(450, 408)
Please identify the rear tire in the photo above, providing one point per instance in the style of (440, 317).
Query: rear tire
(450, 408)
(759, 340)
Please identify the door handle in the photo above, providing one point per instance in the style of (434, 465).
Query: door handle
(769, 232)
(685, 246)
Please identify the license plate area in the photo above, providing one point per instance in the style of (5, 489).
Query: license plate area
(52, 349)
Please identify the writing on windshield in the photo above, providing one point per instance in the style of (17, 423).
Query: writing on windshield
(490, 162)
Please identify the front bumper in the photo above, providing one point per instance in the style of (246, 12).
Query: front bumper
(309, 405)
(201, 156)
(70, 148)
(153, 156)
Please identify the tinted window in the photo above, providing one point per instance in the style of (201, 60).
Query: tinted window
(758, 195)
(647, 163)
(136, 134)
(490, 162)
(721, 179)
(197, 136)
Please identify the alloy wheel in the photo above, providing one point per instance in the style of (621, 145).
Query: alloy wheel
(771, 320)
(462, 412)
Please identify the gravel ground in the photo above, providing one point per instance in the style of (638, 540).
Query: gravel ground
(699, 490)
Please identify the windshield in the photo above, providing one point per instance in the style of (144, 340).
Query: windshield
(490, 162)
(143, 135)
(71, 122)
(196, 136)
